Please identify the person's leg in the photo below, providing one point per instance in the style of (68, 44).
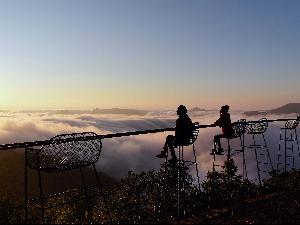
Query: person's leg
(217, 140)
(169, 142)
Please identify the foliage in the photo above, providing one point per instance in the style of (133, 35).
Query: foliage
(11, 212)
(285, 181)
(152, 197)
(225, 187)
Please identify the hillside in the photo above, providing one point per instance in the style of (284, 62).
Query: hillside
(278, 208)
(285, 109)
(12, 177)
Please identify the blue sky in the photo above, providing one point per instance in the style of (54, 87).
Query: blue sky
(149, 54)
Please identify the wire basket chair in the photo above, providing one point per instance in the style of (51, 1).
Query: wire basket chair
(57, 156)
(63, 153)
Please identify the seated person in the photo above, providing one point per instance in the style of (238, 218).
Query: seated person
(183, 134)
(225, 122)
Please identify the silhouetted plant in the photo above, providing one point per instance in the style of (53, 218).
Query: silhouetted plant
(225, 186)
(11, 212)
(282, 182)
(152, 197)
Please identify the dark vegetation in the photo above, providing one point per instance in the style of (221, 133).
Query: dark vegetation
(151, 197)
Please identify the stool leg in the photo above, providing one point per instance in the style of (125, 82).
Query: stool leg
(41, 191)
(298, 147)
(242, 140)
(195, 158)
(178, 184)
(256, 157)
(228, 150)
(86, 196)
(292, 141)
(279, 151)
(102, 192)
(268, 152)
(25, 182)
(285, 158)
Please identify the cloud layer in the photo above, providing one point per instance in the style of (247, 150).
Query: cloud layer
(137, 153)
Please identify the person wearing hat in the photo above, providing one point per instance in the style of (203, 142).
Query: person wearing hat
(183, 134)
(225, 122)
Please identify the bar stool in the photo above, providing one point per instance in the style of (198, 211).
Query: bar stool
(289, 138)
(181, 165)
(238, 132)
(58, 156)
(257, 129)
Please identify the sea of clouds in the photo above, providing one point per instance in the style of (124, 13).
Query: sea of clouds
(137, 153)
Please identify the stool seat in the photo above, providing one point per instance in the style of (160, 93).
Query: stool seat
(57, 157)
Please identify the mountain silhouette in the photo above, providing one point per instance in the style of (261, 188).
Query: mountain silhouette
(285, 109)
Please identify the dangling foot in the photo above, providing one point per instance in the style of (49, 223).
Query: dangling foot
(213, 151)
(163, 154)
(220, 151)
(173, 160)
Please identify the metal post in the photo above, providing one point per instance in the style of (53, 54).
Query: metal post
(198, 179)
(178, 185)
(242, 139)
(41, 189)
(297, 142)
(285, 150)
(102, 192)
(257, 164)
(292, 148)
(266, 146)
(279, 151)
(26, 197)
(86, 196)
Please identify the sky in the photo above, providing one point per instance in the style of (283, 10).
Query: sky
(158, 54)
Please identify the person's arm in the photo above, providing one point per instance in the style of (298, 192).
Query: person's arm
(218, 122)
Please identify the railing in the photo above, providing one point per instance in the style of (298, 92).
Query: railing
(107, 136)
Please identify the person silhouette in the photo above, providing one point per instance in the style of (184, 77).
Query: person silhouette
(183, 134)
(225, 122)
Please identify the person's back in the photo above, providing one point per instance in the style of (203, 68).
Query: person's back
(225, 122)
(183, 130)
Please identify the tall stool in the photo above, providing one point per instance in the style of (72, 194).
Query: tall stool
(181, 165)
(238, 132)
(262, 155)
(57, 157)
(285, 152)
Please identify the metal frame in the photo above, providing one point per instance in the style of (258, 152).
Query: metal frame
(290, 136)
(55, 158)
(254, 129)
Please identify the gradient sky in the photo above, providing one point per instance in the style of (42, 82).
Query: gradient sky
(149, 54)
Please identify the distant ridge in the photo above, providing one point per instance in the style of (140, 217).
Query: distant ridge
(120, 111)
(197, 109)
(285, 109)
